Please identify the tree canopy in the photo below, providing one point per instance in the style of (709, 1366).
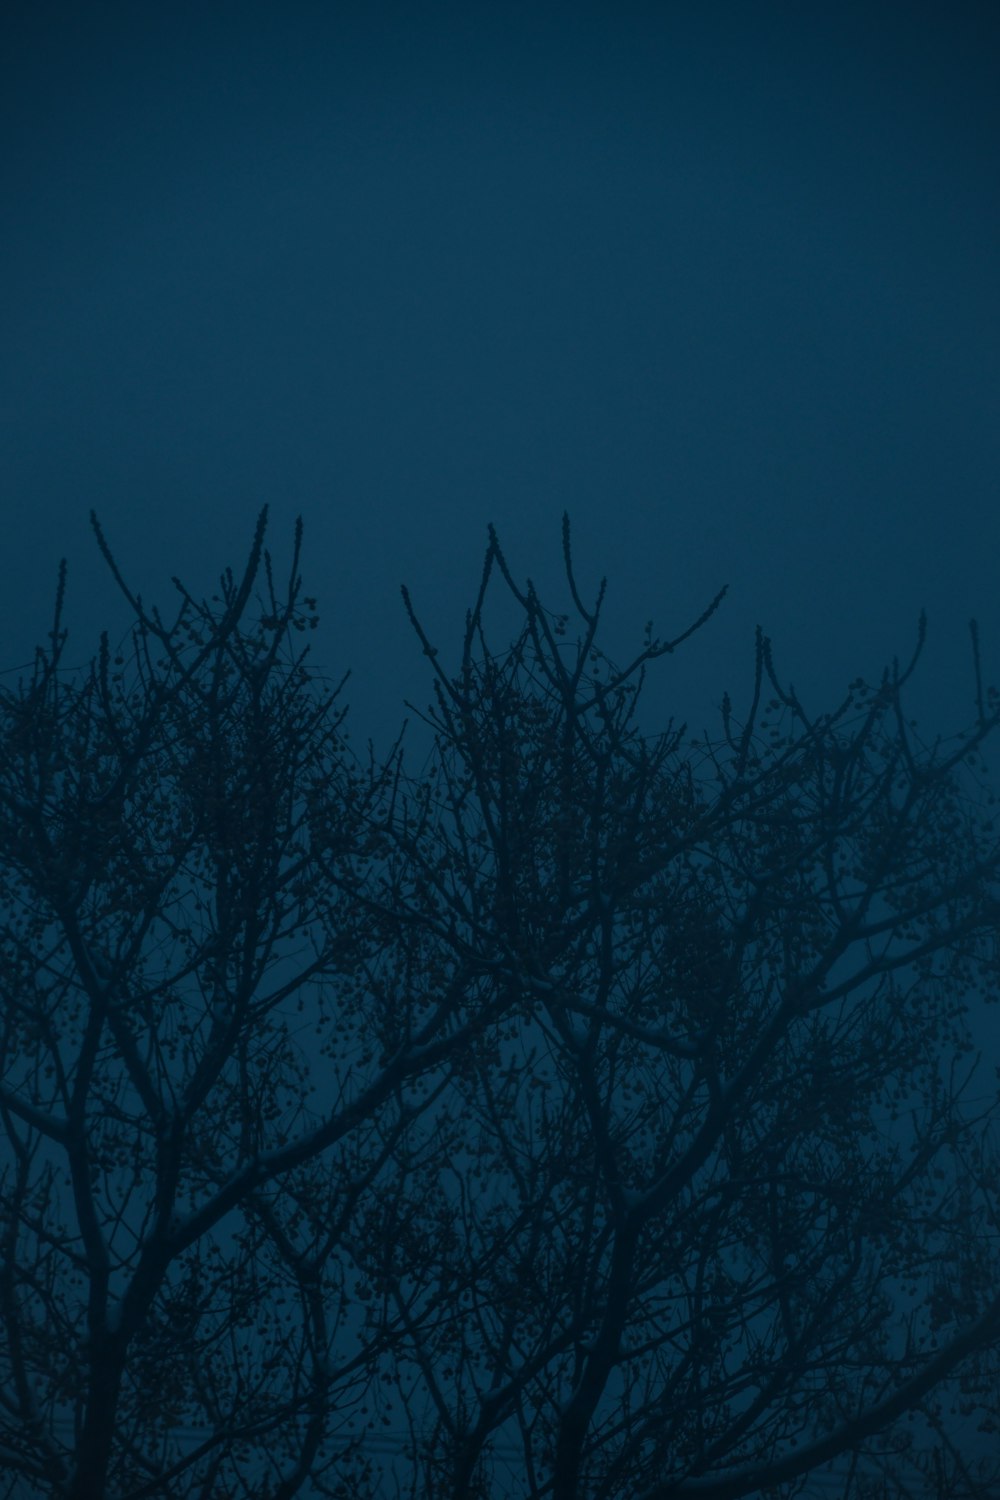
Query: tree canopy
(590, 1113)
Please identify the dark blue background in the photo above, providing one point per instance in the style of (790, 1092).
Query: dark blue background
(722, 279)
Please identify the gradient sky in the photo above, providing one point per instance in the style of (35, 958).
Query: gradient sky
(721, 279)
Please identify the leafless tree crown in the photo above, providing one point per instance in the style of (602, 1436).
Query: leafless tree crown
(592, 1114)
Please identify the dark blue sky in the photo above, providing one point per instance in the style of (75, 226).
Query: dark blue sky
(723, 280)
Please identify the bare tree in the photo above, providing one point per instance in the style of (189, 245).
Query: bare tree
(212, 1062)
(593, 1114)
(728, 1207)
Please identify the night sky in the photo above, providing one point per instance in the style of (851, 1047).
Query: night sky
(721, 280)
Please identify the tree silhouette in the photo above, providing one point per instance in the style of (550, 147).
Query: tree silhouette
(592, 1114)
